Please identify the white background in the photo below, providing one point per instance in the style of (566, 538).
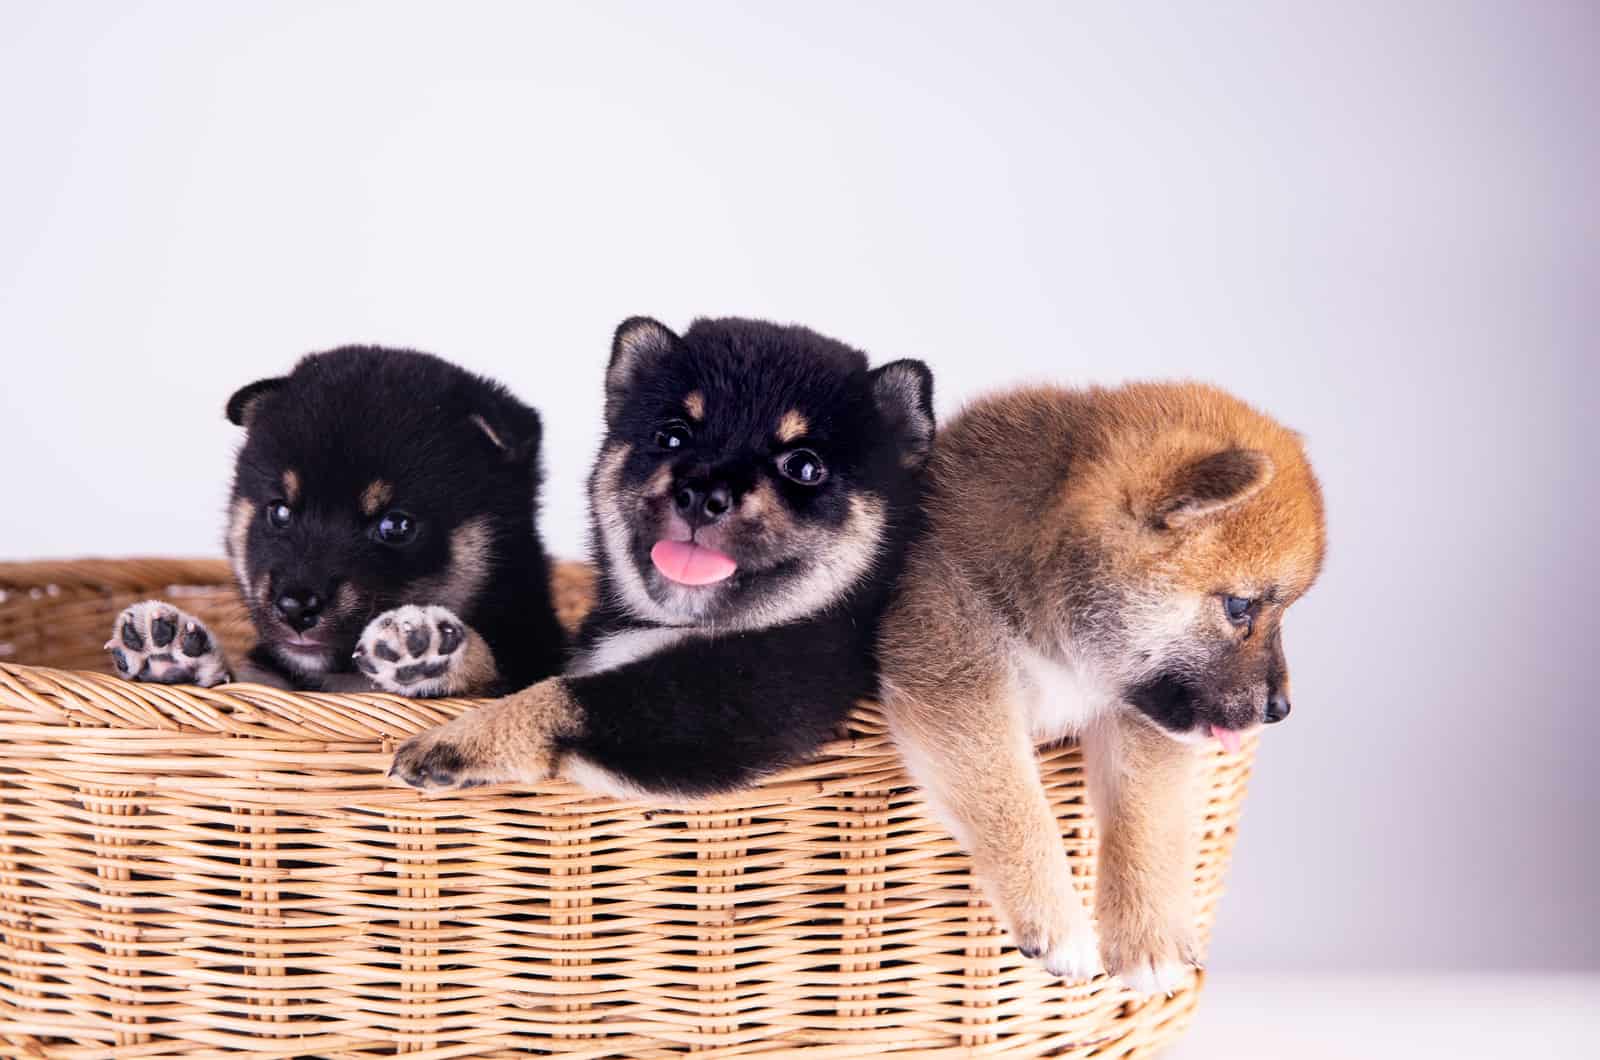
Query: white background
(1377, 221)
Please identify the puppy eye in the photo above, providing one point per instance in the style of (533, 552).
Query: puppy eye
(1238, 609)
(673, 436)
(396, 528)
(279, 514)
(802, 466)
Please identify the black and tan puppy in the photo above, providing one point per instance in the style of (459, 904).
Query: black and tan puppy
(383, 533)
(1114, 565)
(750, 506)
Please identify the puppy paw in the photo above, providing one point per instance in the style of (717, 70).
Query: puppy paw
(1150, 961)
(154, 641)
(508, 740)
(422, 652)
(1060, 936)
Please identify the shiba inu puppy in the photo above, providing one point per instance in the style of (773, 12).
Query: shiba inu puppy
(383, 533)
(1113, 565)
(750, 505)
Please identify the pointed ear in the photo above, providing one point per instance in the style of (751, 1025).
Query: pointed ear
(245, 401)
(511, 428)
(1210, 485)
(639, 343)
(903, 392)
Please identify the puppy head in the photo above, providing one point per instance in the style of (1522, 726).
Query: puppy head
(750, 471)
(1213, 526)
(369, 478)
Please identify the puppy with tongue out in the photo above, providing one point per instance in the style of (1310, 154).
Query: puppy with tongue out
(690, 563)
(750, 505)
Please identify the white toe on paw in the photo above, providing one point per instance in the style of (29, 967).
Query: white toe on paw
(1075, 958)
(1152, 950)
(154, 641)
(1150, 978)
(1062, 940)
(414, 651)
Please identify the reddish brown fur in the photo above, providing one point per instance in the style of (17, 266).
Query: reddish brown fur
(1074, 536)
(1018, 474)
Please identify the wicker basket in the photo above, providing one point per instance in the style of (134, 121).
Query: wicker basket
(189, 872)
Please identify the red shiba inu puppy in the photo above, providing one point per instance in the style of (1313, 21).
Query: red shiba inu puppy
(1114, 565)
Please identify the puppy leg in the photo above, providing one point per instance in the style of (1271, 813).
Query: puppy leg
(1139, 784)
(693, 716)
(977, 766)
(514, 739)
(154, 641)
(424, 652)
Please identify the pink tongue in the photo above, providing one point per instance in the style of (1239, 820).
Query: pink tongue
(690, 564)
(1228, 738)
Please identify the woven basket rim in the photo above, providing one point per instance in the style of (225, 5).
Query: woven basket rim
(114, 572)
(94, 700)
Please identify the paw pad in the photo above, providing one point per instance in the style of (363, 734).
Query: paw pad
(414, 651)
(146, 645)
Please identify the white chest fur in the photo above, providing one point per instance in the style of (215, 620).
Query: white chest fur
(1061, 697)
(624, 647)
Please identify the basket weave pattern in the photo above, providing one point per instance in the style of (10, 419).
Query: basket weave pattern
(192, 872)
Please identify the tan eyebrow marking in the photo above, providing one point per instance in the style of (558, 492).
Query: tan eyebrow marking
(377, 494)
(758, 502)
(694, 403)
(792, 426)
(291, 486)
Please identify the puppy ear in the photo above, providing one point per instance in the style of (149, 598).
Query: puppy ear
(513, 429)
(903, 392)
(639, 343)
(246, 401)
(1210, 485)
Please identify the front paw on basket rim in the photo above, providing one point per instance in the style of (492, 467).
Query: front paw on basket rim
(512, 740)
(457, 755)
(432, 765)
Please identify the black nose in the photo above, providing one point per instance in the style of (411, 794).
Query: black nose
(300, 608)
(700, 502)
(1277, 707)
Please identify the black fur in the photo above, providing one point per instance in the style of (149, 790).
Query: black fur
(741, 697)
(455, 447)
